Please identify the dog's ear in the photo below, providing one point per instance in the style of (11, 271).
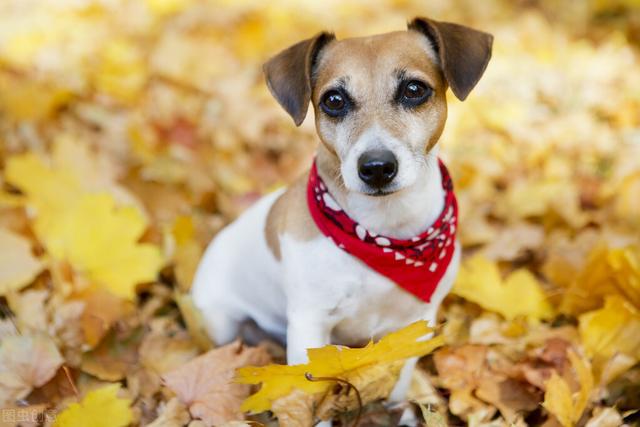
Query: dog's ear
(289, 73)
(464, 52)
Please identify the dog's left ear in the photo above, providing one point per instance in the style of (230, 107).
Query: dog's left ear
(289, 73)
(464, 52)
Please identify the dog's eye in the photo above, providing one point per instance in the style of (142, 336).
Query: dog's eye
(334, 103)
(414, 93)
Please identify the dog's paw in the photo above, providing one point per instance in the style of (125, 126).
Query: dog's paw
(409, 418)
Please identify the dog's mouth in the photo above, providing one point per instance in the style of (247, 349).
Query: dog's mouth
(380, 193)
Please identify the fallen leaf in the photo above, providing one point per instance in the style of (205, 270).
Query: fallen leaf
(611, 330)
(18, 266)
(206, 386)
(101, 239)
(294, 410)
(608, 271)
(373, 383)
(349, 364)
(171, 414)
(99, 408)
(101, 310)
(88, 230)
(519, 294)
(26, 362)
(115, 356)
(162, 351)
(565, 405)
(30, 309)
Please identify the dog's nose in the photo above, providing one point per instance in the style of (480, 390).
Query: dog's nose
(377, 168)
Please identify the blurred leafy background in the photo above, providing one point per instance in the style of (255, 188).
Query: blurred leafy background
(132, 131)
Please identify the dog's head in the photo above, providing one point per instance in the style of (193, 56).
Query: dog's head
(380, 101)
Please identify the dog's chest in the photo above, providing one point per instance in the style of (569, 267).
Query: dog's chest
(361, 303)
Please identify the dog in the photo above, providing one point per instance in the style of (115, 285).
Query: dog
(364, 243)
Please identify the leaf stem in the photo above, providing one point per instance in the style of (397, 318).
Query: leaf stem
(350, 386)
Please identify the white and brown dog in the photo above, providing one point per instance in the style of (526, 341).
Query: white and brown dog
(365, 243)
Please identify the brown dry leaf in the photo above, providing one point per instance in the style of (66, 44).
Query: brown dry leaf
(171, 414)
(459, 370)
(29, 309)
(373, 384)
(163, 349)
(18, 266)
(115, 356)
(476, 378)
(102, 310)
(511, 397)
(294, 410)
(26, 362)
(206, 384)
(66, 326)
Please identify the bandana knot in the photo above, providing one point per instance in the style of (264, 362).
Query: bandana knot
(416, 264)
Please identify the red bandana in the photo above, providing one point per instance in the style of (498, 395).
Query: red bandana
(416, 265)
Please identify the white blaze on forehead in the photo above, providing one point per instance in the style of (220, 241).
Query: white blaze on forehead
(376, 138)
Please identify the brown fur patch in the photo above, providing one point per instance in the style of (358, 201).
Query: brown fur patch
(290, 215)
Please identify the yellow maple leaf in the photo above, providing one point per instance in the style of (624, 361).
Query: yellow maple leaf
(99, 408)
(77, 219)
(345, 363)
(566, 406)
(53, 184)
(100, 239)
(519, 294)
(612, 329)
(18, 266)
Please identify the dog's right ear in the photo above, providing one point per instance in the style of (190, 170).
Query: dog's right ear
(288, 75)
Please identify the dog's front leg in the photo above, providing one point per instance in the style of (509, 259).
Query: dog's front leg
(306, 330)
(400, 390)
